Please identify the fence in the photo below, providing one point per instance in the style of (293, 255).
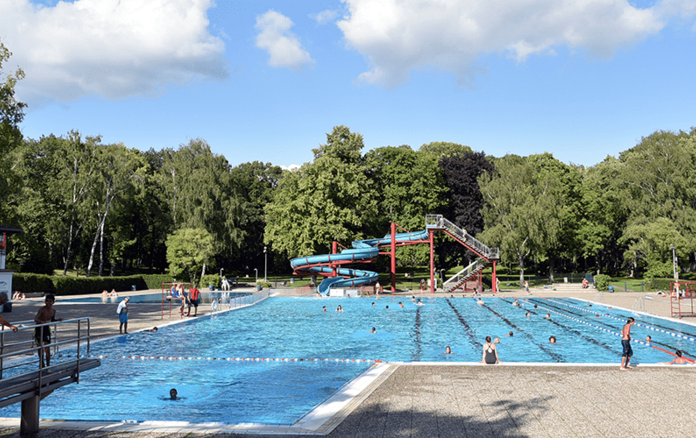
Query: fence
(227, 302)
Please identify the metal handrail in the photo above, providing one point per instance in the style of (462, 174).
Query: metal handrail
(246, 300)
(598, 297)
(465, 273)
(438, 222)
(19, 351)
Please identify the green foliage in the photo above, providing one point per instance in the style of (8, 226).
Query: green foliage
(209, 279)
(440, 149)
(329, 199)
(266, 285)
(154, 281)
(663, 284)
(91, 285)
(523, 210)
(602, 281)
(188, 250)
(32, 283)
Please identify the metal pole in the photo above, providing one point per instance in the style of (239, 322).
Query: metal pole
(257, 274)
(265, 265)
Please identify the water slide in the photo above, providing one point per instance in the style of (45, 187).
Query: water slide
(363, 251)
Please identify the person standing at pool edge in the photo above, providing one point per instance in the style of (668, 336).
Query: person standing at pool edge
(194, 295)
(123, 316)
(42, 335)
(626, 344)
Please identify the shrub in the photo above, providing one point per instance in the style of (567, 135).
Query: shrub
(154, 281)
(90, 285)
(209, 279)
(602, 281)
(659, 283)
(32, 283)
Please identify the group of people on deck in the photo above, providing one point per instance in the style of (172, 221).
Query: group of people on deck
(188, 299)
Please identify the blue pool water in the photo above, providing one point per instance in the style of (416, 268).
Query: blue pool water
(281, 392)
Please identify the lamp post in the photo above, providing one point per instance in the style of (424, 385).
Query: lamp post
(674, 261)
(442, 278)
(265, 265)
(257, 274)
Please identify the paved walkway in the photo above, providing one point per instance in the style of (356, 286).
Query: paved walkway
(474, 401)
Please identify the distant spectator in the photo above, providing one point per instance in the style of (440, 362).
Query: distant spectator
(3, 321)
(18, 295)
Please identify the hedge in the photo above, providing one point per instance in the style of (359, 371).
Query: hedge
(155, 281)
(33, 283)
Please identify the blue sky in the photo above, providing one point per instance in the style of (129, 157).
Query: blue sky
(266, 80)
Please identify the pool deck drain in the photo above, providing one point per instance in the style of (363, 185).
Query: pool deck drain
(445, 400)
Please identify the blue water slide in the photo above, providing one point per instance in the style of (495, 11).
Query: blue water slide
(363, 251)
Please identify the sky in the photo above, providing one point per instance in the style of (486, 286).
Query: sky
(266, 80)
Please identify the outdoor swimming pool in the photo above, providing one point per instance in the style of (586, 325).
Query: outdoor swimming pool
(232, 391)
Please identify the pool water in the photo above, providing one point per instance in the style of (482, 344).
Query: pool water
(231, 391)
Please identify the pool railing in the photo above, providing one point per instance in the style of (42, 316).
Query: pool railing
(226, 302)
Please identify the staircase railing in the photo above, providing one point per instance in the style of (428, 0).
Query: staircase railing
(464, 274)
(438, 222)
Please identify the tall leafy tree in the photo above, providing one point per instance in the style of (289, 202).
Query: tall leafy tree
(255, 183)
(328, 199)
(521, 212)
(409, 187)
(442, 149)
(11, 115)
(189, 250)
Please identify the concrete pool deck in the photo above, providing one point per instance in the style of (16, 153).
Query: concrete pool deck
(454, 400)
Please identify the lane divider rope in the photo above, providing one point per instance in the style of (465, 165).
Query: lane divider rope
(603, 329)
(231, 359)
(649, 327)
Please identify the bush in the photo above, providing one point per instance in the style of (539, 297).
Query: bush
(602, 281)
(209, 279)
(659, 284)
(32, 283)
(154, 281)
(91, 285)
(265, 285)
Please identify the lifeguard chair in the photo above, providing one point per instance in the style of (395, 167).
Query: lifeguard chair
(682, 295)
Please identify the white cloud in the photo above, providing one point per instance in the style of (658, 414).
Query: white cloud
(291, 167)
(324, 17)
(397, 36)
(283, 47)
(109, 48)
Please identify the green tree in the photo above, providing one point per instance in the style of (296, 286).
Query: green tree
(11, 115)
(255, 183)
(117, 169)
(410, 186)
(441, 149)
(329, 199)
(521, 212)
(189, 250)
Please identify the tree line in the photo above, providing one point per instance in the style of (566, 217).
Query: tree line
(106, 209)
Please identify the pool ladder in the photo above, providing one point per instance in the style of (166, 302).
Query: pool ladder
(640, 305)
(598, 297)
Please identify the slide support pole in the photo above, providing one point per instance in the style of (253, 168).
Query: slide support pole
(393, 257)
(493, 285)
(432, 261)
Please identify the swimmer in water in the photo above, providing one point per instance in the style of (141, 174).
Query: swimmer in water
(173, 394)
(516, 303)
(648, 340)
(527, 315)
(480, 302)
(373, 304)
(418, 303)
(496, 340)
(401, 305)
(552, 339)
(153, 329)
(679, 360)
(548, 316)
(413, 298)
(511, 334)
(535, 306)
(323, 309)
(448, 350)
(387, 307)
(374, 330)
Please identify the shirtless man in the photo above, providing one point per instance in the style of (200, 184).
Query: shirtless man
(42, 335)
(626, 344)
